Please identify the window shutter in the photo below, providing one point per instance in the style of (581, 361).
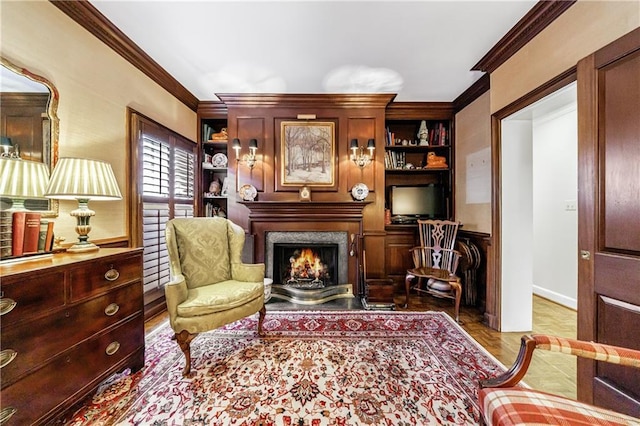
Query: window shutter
(156, 167)
(156, 258)
(168, 191)
(184, 174)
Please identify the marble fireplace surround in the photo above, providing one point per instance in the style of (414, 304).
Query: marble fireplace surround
(303, 218)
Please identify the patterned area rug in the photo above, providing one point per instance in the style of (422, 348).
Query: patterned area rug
(313, 368)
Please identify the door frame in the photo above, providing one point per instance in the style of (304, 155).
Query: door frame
(493, 310)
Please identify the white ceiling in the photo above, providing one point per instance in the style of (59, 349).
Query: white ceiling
(421, 50)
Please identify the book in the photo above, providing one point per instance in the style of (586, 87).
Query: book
(42, 236)
(48, 244)
(6, 234)
(17, 229)
(31, 233)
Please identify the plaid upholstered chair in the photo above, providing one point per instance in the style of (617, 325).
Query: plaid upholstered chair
(503, 402)
(210, 286)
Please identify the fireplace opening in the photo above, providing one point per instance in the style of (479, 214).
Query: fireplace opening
(305, 266)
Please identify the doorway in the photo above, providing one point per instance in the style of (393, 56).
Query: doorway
(539, 223)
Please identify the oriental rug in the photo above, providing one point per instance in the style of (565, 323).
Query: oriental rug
(313, 368)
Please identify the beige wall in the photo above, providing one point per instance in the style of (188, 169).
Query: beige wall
(473, 137)
(584, 28)
(96, 86)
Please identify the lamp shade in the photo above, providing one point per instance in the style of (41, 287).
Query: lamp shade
(353, 144)
(22, 178)
(371, 144)
(253, 144)
(80, 178)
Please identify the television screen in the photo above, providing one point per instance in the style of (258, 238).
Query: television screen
(424, 201)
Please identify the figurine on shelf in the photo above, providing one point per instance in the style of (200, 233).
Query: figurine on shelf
(215, 187)
(220, 136)
(423, 134)
(435, 161)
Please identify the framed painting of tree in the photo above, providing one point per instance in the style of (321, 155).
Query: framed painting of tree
(307, 153)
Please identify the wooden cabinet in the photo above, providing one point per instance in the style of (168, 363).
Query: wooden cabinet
(399, 241)
(69, 321)
(214, 160)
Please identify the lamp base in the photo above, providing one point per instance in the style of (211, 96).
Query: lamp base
(82, 248)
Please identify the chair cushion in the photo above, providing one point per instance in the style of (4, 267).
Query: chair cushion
(438, 285)
(218, 297)
(203, 246)
(520, 406)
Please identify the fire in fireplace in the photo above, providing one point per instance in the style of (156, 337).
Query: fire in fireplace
(307, 266)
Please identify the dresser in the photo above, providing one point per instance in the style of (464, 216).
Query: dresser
(68, 321)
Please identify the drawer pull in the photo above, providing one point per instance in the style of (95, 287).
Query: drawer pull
(112, 348)
(111, 274)
(112, 309)
(7, 305)
(6, 356)
(6, 414)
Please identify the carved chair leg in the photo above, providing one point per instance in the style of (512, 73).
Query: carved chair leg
(407, 286)
(184, 339)
(457, 288)
(263, 312)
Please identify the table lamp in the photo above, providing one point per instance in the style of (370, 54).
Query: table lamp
(21, 180)
(83, 180)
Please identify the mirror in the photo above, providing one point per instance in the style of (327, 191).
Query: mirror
(29, 124)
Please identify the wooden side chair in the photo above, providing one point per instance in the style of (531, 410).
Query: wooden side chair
(435, 262)
(504, 402)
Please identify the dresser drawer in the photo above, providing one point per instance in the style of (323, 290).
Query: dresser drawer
(22, 297)
(99, 276)
(72, 374)
(30, 344)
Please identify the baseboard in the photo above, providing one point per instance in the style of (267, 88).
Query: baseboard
(558, 298)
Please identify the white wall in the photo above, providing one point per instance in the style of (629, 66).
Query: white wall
(555, 218)
(517, 226)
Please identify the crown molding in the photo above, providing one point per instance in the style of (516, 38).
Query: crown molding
(536, 20)
(477, 89)
(87, 16)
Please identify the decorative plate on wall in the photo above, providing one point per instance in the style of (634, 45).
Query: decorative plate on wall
(248, 192)
(359, 191)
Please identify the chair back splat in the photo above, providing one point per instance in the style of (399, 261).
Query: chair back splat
(439, 234)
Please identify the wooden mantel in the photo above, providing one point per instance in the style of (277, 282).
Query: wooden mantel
(304, 216)
(306, 211)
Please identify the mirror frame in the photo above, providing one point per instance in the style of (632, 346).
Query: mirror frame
(52, 112)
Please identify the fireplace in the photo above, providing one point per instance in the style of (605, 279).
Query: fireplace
(308, 267)
(309, 223)
(305, 265)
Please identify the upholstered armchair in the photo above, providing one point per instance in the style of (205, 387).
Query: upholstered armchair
(503, 402)
(210, 286)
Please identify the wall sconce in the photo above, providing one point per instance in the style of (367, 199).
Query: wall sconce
(358, 155)
(83, 180)
(250, 158)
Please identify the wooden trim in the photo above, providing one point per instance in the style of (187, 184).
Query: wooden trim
(556, 83)
(532, 24)
(587, 205)
(315, 100)
(477, 89)
(419, 111)
(87, 16)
